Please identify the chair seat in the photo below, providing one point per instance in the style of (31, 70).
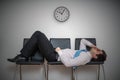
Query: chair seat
(55, 63)
(94, 63)
(23, 62)
(90, 63)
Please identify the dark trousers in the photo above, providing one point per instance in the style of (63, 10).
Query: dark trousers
(39, 41)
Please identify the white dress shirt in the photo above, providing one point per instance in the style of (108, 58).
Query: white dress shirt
(66, 55)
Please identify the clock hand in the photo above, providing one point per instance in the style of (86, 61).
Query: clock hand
(60, 12)
(63, 12)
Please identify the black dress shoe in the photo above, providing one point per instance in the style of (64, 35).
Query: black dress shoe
(17, 58)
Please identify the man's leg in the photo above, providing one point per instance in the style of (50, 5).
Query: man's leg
(39, 40)
(30, 47)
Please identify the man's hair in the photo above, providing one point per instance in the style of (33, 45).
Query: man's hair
(100, 57)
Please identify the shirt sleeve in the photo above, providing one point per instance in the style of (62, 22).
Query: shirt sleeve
(85, 43)
(69, 62)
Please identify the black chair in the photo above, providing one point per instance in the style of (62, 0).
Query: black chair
(36, 59)
(58, 42)
(93, 40)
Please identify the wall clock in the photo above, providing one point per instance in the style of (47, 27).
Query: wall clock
(61, 14)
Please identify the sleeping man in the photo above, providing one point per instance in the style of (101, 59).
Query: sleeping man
(68, 57)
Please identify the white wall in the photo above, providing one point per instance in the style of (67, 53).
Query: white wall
(99, 19)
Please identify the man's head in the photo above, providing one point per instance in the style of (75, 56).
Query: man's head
(97, 54)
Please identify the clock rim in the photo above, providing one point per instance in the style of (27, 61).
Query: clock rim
(66, 9)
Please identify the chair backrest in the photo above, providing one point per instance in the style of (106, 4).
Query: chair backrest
(60, 42)
(78, 40)
(37, 56)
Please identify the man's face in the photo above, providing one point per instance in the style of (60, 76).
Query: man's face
(95, 51)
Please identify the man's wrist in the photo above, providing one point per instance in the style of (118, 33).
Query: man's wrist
(59, 52)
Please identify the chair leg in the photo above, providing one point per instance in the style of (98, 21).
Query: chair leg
(14, 78)
(103, 71)
(73, 74)
(98, 73)
(47, 71)
(20, 73)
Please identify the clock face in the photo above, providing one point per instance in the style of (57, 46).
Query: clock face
(61, 14)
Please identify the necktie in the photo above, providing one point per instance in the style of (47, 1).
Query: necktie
(77, 54)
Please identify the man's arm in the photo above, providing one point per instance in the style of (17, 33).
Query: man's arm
(85, 43)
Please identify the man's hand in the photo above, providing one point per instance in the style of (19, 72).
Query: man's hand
(57, 49)
(98, 49)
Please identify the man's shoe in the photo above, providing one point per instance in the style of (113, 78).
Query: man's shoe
(17, 58)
